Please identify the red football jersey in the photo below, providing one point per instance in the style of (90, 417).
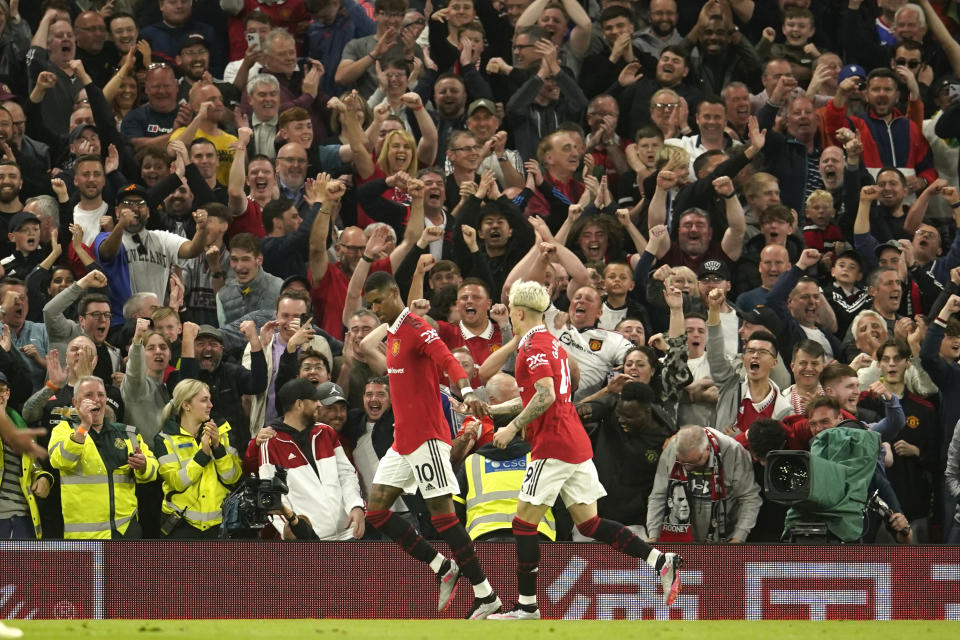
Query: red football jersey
(416, 356)
(480, 346)
(558, 432)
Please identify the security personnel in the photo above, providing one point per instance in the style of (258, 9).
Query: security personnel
(490, 487)
(196, 463)
(32, 482)
(100, 463)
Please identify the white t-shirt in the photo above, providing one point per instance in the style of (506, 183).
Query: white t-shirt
(597, 352)
(150, 269)
(818, 336)
(611, 317)
(90, 221)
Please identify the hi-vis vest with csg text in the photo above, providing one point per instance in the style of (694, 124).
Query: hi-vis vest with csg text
(493, 489)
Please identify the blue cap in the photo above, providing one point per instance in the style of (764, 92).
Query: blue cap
(851, 70)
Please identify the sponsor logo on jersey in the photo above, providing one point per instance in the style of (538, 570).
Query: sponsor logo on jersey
(395, 371)
(536, 360)
(395, 348)
(430, 335)
(596, 344)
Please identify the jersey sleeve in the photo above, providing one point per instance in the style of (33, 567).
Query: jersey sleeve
(430, 345)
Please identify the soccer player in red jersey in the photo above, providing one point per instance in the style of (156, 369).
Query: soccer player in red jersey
(561, 456)
(420, 455)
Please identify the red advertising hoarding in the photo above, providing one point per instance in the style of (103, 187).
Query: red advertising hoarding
(49, 580)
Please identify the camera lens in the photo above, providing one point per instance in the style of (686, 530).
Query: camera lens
(789, 475)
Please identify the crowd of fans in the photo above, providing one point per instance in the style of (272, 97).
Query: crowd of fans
(746, 214)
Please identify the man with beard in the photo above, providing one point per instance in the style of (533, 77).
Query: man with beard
(805, 314)
(194, 63)
(369, 431)
(10, 204)
(626, 449)
(695, 244)
(52, 48)
(793, 158)
(332, 409)
(99, 56)
(93, 321)
(292, 172)
(207, 103)
(484, 123)
(725, 54)
(537, 108)
(138, 259)
(201, 358)
(323, 483)
(634, 91)
(888, 137)
(661, 31)
(450, 102)
(29, 339)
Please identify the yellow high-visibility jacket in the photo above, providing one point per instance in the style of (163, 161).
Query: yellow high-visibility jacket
(30, 472)
(97, 485)
(193, 482)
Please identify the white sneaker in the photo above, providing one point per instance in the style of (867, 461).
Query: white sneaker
(448, 585)
(670, 577)
(483, 607)
(519, 612)
(10, 632)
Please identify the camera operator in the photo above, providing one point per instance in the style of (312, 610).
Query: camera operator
(323, 484)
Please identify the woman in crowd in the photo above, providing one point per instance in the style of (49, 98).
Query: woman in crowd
(197, 463)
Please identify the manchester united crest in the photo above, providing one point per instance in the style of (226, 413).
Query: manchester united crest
(494, 347)
(595, 344)
(395, 348)
(913, 422)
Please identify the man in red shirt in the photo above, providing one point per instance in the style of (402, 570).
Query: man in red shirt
(475, 331)
(420, 455)
(561, 456)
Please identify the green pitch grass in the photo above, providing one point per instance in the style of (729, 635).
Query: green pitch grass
(489, 630)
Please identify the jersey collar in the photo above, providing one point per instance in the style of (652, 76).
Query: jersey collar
(533, 330)
(400, 318)
(486, 334)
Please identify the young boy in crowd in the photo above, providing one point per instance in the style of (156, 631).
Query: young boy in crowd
(24, 233)
(797, 29)
(844, 294)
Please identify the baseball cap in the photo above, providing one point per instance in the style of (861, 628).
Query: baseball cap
(763, 316)
(329, 393)
(130, 190)
(6, 93)
(889, 244)
(482, 103)
(192, 39)
(207, 331)
(296, 278)
(851, 70)
(21, 219)
(852, 254)
(80, 128)
(714, 268)
(297, 389)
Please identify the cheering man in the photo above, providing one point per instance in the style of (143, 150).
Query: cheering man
(420, 455)
(561, 457)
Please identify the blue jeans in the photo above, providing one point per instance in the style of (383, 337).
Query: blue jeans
(17, 528)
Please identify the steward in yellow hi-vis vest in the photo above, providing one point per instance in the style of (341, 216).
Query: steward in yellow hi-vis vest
(490, 487)
(100, 463)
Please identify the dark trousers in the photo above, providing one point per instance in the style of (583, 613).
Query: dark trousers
(17, 528)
